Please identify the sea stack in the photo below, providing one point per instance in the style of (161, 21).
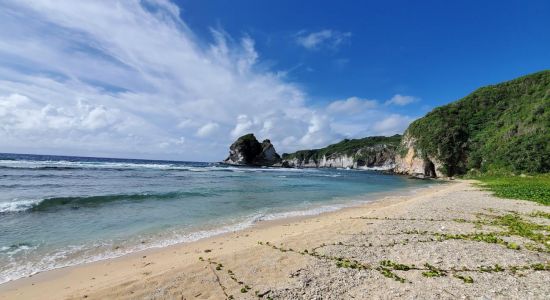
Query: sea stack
(247, 151)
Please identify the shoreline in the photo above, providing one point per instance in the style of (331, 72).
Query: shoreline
(365, 200)
(200, 269)
(248, 222)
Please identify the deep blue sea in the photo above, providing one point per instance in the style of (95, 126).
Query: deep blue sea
(58, 211)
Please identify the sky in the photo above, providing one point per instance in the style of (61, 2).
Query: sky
(182, 79)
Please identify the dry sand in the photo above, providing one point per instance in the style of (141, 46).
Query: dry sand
(406, 230)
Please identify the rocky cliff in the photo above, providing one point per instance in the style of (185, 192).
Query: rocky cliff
(411, 161)
(371, 152)
(503, 128)
(246, 150)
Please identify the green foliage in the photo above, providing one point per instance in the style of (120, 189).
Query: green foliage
(433, 271)
(346, 263)
(490, 238)
(466, 279)
(503, 127)
(534, 188)
(395, 266)
(348, 147)
(519, 227)
(249, 139)
(491, 269)
(386, 272)
(514, 225)
(540, 214)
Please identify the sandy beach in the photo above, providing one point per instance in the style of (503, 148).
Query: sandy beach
(447, 241)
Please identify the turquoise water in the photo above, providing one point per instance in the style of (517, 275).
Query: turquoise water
(59, 211)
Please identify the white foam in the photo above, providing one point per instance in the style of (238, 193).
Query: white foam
(329, 175)
(75, 255)
(380, 168)
(70, 256)
(34, 164)
(17, 205)
(305, 212)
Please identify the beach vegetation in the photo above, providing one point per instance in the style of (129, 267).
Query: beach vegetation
(389, 274)
(491, 269)
(465, 278)
(433, 271)
(396, 266)
(533, 188)
(346, 263)
(387, 267)
(502, 128)
(540, 214)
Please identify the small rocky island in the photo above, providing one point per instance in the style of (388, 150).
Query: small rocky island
(248, 151)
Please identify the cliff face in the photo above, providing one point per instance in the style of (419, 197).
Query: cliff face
(501, 128)
(268, 156)
(246, 150)
(364, 158)
(412, 161)
(371, 152)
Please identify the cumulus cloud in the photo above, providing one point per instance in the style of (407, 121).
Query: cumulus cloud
(207, 129)
(392, 124)
(324, 38)
(129, 78)
(352, 105)
(358, 117)
(401, 100)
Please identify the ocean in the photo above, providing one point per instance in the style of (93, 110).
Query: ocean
(57, 211)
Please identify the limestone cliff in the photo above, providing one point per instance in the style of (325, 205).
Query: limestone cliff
(412, 161)
(502, 128)
(246, 150)
(371, 152)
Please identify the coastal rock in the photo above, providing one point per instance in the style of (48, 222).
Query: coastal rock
(246, 150)
(502, 128)
(413, 162)
(268, 156)
(380, 156)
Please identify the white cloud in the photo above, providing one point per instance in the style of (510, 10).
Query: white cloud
(357, 117)
(401, 100)
(243, 126)
(352, 105)
(315, 40)
(207, 129)
(131, 79)
(317, 130)
(392, 124)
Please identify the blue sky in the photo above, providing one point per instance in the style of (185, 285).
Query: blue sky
(181, 79)
(439, 50)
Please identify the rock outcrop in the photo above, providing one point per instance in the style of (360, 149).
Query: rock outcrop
(367, 153)
(413, 162)
(377, 157)
(247, 151)
(502, 128)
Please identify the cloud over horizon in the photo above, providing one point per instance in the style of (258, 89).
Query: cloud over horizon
(132, 79)
(401, 100)
(323, 38)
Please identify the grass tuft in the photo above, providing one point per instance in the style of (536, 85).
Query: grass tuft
(466, 279)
